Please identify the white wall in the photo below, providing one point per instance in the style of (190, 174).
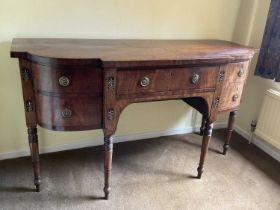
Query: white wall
(156, 19)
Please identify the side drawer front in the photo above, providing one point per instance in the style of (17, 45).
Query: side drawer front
(237, 72)
(67, 79)
(69, 113)
(160, 80)
(231, 96)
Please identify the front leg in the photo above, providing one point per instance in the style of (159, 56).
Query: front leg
(34, 150)
(108, 147)
(204, 148)
(231, 121)
(202, 127)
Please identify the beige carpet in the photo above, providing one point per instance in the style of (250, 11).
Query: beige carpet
(147, 174)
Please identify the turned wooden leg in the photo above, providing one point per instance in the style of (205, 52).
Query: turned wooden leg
(34, 150)
(108, 145)
(205, 143)
(203, 122)
(231, 121)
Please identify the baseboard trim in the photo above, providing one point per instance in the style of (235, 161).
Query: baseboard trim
(99, 141)
(260, 143)
(270, 150)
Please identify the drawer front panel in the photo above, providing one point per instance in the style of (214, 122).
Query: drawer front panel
(67, 79)
(237, 72)
(69, 113)
(231, 96)
(160, 80)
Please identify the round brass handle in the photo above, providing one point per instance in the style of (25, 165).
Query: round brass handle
(66, 113)
(235, 97)
(145, 81)
(64, 81)
(195, 78)
(241, 72)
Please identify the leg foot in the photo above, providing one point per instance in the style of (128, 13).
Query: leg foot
(37, 182)
(204, 148)
(199, 172)
(106, 192)
(108, 146)
(37, 188)
(225, 148)
(34, 150)
(231, 121)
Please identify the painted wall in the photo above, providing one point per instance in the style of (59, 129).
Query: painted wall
(249, 30)
(156, 19)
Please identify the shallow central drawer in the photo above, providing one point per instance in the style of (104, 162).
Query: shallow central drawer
(158, 80)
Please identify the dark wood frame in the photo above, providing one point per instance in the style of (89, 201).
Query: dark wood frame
(206, 100)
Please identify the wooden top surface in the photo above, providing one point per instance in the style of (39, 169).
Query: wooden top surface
(130, 50)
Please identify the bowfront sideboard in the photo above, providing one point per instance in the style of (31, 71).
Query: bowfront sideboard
(80, 84)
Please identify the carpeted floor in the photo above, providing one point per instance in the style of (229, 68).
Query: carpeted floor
(147, 174)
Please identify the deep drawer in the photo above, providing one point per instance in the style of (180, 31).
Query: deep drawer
(69, 113)
(160, 80)
(67, 79)
(231, 96)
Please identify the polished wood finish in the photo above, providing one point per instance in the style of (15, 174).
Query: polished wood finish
(71, 84)
(86, 112)
(231, 121)
(34, 150)
(205, 144)
(235, 77)
(203, 124)
(161, 80)
(131, 53)
(108, 148)
(231, 96)
(83, 79)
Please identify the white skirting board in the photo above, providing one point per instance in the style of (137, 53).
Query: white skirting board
(263, 145)
(132, 137)
(99, 141)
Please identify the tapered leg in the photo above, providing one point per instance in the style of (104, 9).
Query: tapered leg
(108, 145)
(205, 143)
(203, 122)
(34, 150)
(231, 121)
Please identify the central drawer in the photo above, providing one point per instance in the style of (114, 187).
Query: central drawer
(160, 80)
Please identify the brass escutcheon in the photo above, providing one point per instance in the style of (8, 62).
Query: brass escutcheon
(235, 97)
(66, 113)
(64, 81)
(241, 72)
(195, 78)
(145, 81)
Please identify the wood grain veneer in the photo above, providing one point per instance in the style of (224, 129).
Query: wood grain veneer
(81, 84)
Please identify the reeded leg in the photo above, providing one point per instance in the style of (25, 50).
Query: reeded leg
(231, 121)
(34, 150)
(108, 145)
(203, 122)
(205, 143)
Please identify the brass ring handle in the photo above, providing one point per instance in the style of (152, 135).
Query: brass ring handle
(145, 81)
(235, 97)
(241, 72)
(64, 81)
(66, 113)
(195, 78)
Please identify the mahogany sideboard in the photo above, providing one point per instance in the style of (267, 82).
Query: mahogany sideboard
(80, 84)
